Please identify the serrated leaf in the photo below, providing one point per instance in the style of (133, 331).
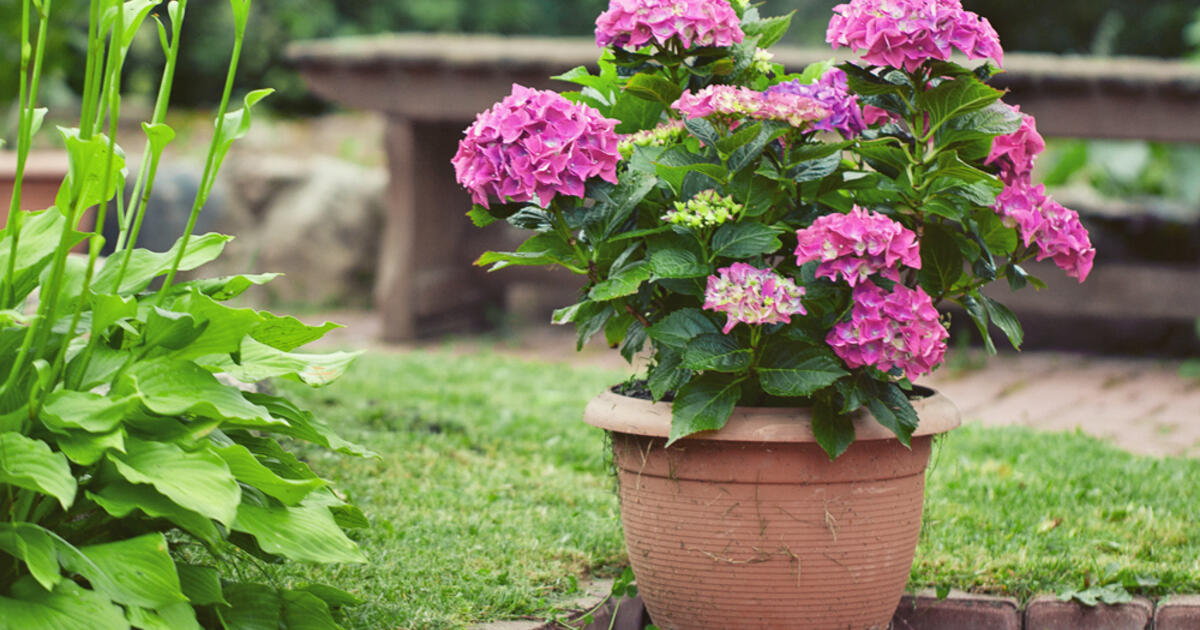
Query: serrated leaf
(1005, 320)
(653, 87)
(979, 314)
(955, 97)
(941, 261)
(668, 373)
(680, 327)
(770, 30)
(480, 217)
(30, 464)
(892, 409)
(793, 370)
(678, 262)
(744, 240)
(704, 404)
(716, 352)
(625, 282)
(833, 431)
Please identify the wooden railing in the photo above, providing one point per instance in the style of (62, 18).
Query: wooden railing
(430, 87)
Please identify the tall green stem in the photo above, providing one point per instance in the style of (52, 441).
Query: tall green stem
(209, 168)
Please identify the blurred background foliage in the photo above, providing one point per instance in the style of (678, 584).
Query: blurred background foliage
(1162, 28)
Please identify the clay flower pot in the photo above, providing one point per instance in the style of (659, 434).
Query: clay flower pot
(752, 526)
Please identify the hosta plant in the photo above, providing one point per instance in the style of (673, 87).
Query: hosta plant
(143, 482)
(775, 238)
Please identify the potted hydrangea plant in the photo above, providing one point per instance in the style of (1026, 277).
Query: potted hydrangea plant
(142, 470)
(777, 245)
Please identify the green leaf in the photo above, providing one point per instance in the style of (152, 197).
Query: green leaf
(815, 169)
(668, 373)
(288, 333)
(40, 233)
(201, 585)
(176, 388)
(258, 361)
(224, 288)
(198, 481)
(624, 282)
(177, 616)
(1006, 320)
(770, 30)
(306, 533)
(109, 309)
(136, 571)
(955, 97)
(891, 409)
(635, 113)
(1000, 239)
(737, 139)
(744, 155)
(332, 597)
(86, 449)
(680, 327)
(744, 240)
(677, 258)
(251, 607)
(30, 607)
(248, 470)
(653, 87)
(717, 352)
(306, 611)
(792, 370)
(480, 216)
(704, 404)
(979, 314)
(120, 499)
(171, 330)
(301, 424)
(237, 123)
(30, 464)
(69, 409)
(95, 171)
(224, 327)
(35, 547)
(834, 431)
(145, 265)
(675, 175)
(941, 261)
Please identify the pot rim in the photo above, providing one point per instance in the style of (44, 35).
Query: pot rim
(637, 416)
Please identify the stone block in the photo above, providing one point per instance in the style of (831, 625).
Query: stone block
(924, 611)
(1050, 613)
(1178, 612)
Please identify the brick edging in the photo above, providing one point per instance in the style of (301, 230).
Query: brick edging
(965, 611)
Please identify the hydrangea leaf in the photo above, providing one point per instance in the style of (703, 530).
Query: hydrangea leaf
(794, 370)
(704, 404)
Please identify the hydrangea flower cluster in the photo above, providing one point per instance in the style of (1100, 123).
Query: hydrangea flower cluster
(855, 245)
(535, 144)
(832, 92)
(761, 63)
(631, 24)
(738, 102)
(663, 134)
(896, 329)
(752, 296)
(904, 33)
(706, 209)
(1043, 223)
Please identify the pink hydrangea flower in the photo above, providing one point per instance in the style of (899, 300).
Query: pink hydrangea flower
(535, 143)
(899, 329)
(1015, 153)
(904, 33)
(1054, 231)
(752, 296)
(853, 246)
(742, 102)
(632, 23)
(832, 93)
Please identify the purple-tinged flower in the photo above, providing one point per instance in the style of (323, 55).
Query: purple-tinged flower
(905, 33)
(752, 296)
(740, 102)
(897, 329)
(856, 245)
(1015, 153)
(832, 93)
(631, 24)
(535, 144)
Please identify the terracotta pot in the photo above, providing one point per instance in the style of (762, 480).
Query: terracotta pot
(754, 527)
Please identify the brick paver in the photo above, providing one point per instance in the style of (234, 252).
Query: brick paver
(959, 611)
(1178, 612)
(1049, 613)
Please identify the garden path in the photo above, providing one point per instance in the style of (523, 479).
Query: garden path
(1141, 405)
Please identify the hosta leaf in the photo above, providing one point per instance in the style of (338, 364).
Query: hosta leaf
(176, 388)
(145, 265)
(303, 425)
(248, 470)
(288, 333)
(198, 481)
(177, 616)
(35, 547)
(95, 170)
(332, 597)
(306, 611)
(86, 449)
(251, 607)
(223, 327)
(136, 572)
(201, 585)
(237, 123)
(704, 404)
(258, 361)
(306, 533)
(120, 499)
(30, 464)
(30, 607)
(227, 287)
(66, 409)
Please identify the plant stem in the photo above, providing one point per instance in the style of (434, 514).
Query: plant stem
(209, 168)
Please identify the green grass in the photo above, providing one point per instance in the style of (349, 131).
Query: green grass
(491, 497)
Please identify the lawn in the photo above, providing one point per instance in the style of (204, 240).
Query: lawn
(490, 498)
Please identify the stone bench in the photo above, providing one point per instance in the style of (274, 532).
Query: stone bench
(430, 87)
